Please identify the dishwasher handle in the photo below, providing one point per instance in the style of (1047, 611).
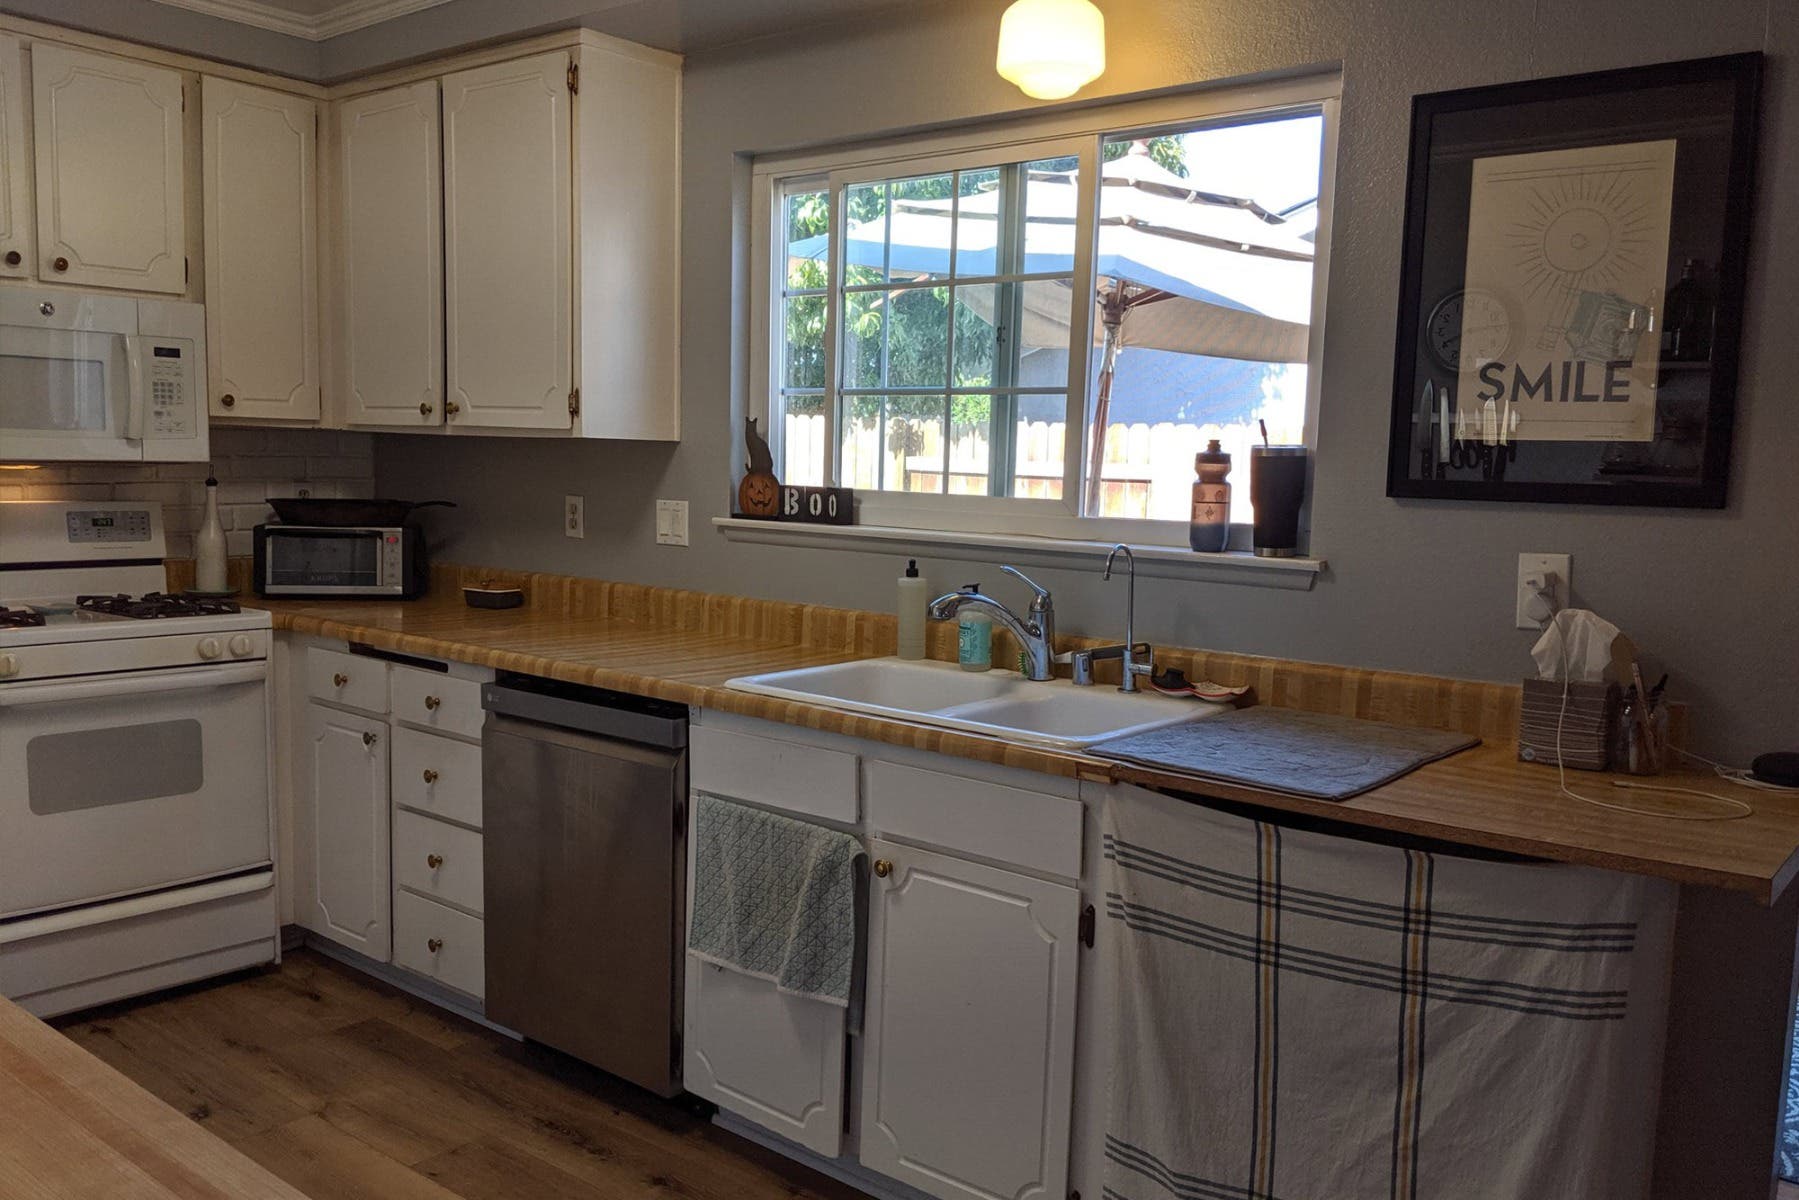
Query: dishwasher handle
(658, 729)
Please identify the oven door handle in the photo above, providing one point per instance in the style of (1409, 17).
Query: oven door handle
(19, 695)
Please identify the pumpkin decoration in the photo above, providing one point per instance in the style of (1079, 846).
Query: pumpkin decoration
(759, 494)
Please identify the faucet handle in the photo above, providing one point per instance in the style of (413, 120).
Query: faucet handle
(1042, 599)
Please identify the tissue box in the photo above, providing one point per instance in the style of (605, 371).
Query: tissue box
(1586, 725)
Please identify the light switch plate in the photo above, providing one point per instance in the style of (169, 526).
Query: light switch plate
(671, 522)
(1559, 570)
(574, 516)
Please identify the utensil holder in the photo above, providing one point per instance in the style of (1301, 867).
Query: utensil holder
(1586, 725)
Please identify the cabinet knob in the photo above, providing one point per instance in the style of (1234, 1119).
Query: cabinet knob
(339, 679)
(451, 407)
(228, 400)
(430, 775)
(883, 868)
(425, 408)
(431, 703)
(14, 258)
(59, 263)
(434, 944)
(434, 861)
(369, 739)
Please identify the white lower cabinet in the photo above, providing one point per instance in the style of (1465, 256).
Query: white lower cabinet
(968, 1047)
(344, 894)
(440, 943)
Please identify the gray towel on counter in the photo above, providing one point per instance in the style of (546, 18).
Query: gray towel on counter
(775, 898)
(1317, 755)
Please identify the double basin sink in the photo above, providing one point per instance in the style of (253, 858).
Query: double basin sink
(996, 703)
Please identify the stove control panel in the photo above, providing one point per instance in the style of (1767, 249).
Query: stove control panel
(108, 525)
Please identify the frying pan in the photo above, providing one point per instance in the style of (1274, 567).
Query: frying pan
(307, 510)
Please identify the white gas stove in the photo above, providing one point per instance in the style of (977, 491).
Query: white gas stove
(136, 833)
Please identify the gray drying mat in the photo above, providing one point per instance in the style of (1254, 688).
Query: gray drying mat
(1303, 753)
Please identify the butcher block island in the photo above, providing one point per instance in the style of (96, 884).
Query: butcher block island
(71, 1126)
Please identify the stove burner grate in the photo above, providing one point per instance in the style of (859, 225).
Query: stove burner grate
(156, 604)
(20, 618)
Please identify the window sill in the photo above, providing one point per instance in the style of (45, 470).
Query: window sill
(1158, 562)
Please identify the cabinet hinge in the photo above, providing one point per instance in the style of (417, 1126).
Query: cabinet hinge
(184, 97)
(574, 403)
(187, 270)
(574, 77)
(1088, 919)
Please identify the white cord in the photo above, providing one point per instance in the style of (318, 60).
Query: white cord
(1741, 776)
(1739, 809)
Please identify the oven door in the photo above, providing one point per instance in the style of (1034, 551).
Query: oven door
(131, 782)
(67, 378)
(351, 561)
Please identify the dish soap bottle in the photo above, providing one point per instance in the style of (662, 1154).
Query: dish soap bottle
(974, 636)
(209, 546)
(1209, 529)
(914, 595)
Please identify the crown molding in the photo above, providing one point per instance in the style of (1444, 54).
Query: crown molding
(344, 17)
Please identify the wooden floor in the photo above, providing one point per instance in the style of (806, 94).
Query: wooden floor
(351, 1090)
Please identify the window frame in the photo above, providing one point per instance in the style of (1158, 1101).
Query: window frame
(1079, 134)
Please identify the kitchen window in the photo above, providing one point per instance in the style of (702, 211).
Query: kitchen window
(921, 341)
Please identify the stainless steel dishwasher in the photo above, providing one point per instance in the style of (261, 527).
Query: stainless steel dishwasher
(583, 798)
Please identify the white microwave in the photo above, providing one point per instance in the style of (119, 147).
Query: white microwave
(91, 378)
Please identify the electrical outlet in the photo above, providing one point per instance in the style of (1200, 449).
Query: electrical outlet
(574, 516)
(1556, 572)
(671, 522)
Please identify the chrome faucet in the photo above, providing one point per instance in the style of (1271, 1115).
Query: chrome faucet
(1137, 658)
(1035, 633)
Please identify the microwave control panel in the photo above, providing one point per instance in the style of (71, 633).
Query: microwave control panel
(169, 400)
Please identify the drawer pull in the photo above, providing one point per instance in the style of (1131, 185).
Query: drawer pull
(883, 868)
(431, 703)
(369, 739)
(339, 679)
(434, 861)
(430, 775)
(434, 944)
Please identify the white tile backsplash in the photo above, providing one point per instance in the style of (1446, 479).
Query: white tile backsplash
(250, 464)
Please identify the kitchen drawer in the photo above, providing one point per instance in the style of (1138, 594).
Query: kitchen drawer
(349, 679)
(437, 775)
(433, 700)
(440, 943)
(807, 781)
(972, 817)
(419, 842)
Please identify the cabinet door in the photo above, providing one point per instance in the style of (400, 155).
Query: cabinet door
(507, 253)
(969, 1026)
(262, 301)
(345, 892)
(109, 181)
(15, 175)
(390, 186)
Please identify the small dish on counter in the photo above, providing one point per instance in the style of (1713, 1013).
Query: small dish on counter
(490, 595)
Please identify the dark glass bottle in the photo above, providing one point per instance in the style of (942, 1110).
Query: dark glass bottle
(1687, 318)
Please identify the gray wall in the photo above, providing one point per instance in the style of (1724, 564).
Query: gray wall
(1421, 586)
(178, 29)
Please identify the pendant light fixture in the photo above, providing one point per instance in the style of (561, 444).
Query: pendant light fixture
(1052, 48)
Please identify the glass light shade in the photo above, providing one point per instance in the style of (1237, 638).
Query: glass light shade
(1052, 48)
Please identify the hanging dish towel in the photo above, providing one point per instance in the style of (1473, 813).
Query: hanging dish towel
(775, 898)
(1298, 1016)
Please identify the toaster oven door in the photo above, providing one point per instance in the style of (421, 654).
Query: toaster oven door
(331, 562)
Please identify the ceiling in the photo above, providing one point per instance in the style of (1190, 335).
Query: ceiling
(679, 25)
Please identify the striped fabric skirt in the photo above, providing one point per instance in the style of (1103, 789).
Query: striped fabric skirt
(1298, 1016)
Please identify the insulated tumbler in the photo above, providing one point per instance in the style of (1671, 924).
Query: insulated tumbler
(1277, 488)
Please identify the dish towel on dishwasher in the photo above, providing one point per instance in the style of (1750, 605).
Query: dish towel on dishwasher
(1298, 1016)
(775, 898)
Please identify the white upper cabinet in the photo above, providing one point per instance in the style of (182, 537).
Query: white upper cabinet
(969, 1026)
(508, 257)
(109, 171)
(15, 176)
(390, 261)
(260, 152)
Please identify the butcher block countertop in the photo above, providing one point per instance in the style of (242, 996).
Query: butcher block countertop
(683, 646)
(72, 1126)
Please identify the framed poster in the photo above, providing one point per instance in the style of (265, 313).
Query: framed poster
(1572, 293)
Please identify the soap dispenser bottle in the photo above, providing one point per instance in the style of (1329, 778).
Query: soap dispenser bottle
(914, 597)
(974, 635)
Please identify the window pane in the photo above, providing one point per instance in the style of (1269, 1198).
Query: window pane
(865, 233)
(894, 443)
(803, 434)
(1041, 437)
(804, 342)
(971, 446)
(918, 338)
(859, 456)
(897, 231)
(979, 311)
(977, 222)
(1205, 264)
(864, 335)
(808, 239)
(1051, 190)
